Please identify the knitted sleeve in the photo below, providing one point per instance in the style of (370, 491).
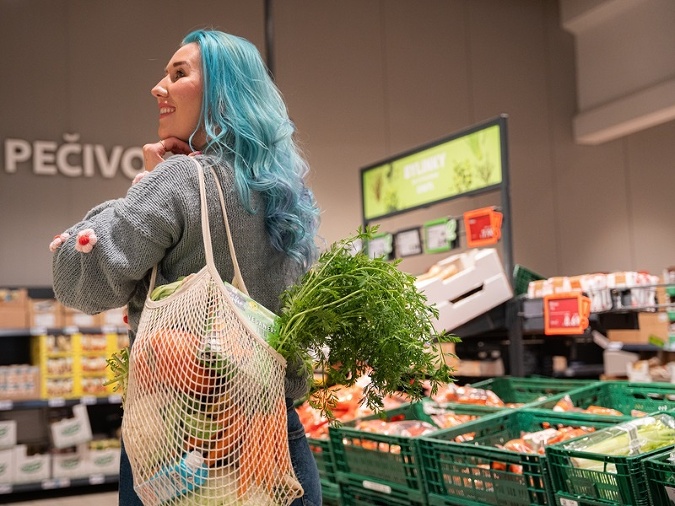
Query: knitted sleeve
(131, 235)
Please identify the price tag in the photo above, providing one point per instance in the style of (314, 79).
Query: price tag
(52, 484)
(440, 235)
(483, 226)
(378, 487)
(6, 405)
(56, 402)
(568, 502)
(115, 399)
(89, 399)
(5, 488)
(408, 243)
(381, 246)
(96, 479)
(566, 313)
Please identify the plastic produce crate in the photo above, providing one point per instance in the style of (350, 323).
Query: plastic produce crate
(330, 494)
(622, 396)
(354, 494)
(478, 473)
(522, 278)
(325, 460)
(384, 465)
(514, 390)
(660, 474)
(613, 480)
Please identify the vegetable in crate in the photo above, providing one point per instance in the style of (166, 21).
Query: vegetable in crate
(627, 439)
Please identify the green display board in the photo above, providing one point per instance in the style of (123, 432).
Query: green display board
(466, 163)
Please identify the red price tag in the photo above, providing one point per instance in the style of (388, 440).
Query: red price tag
(566, 313)
(483, 226)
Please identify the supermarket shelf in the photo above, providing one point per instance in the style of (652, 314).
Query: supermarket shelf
(58, 402)
(59, 483)
(41, 331)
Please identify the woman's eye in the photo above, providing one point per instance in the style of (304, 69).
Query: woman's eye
(178, 74)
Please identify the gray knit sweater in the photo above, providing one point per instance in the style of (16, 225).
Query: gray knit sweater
(158, 222)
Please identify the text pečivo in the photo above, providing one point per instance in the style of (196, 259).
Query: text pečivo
(72, 159)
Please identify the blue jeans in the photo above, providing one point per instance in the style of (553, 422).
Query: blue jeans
(301, 457)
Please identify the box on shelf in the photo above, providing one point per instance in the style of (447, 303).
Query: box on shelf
(72, 431)
(74, 318)
(13, 306)
(465, 286)
(113, 317)
(71, 465)
(19, 382)
(7, 466)
(7, 433)
(617, 362)
(105, 461)
(45, 313)
(654, 328)
(30, 468)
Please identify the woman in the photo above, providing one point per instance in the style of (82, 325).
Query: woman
(218, 103)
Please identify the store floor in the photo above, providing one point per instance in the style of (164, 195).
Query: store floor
(102, 499)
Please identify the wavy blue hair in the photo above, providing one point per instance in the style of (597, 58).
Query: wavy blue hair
(247, 125)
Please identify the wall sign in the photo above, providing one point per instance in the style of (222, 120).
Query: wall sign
(566, 313)
(465, 163)
(71, 159)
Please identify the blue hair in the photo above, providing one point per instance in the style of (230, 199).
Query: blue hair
(246, 124)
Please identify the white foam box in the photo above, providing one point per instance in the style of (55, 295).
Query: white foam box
(105, 462)
(479, 285)
(7, 466)
(71, 465)
(72, 431)
(30, 468)
(7, 433)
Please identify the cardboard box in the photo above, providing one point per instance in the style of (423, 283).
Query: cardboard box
(72, 431)
(7, 466)
(654, 328)
(47, 313)
(13, 308)
(71, 465)
(74, 318)
(7, 433)
(617, 362)
(19, 382)
(478, 285)
(30, 468)
(106, 462)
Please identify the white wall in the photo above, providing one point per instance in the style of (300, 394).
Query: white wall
(363, 81)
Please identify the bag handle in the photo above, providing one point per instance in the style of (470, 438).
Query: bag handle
(238, 281)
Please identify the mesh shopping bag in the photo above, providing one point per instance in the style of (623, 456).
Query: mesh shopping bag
(204, 412)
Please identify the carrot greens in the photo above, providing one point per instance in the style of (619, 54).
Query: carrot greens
(352, 315)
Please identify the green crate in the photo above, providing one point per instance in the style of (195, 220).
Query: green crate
(390, 461)
(357, 493)
(522, 278)
(622, 396)
(660, 476)
(330, 494)
(514, 390)
(325, 460)
(479, 473)
(620, 480)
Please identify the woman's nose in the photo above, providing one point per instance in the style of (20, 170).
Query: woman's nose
(159, 90)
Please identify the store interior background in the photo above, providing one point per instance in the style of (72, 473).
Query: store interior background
(363, 81)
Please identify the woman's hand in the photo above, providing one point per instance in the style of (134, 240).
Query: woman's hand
(154, 153)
